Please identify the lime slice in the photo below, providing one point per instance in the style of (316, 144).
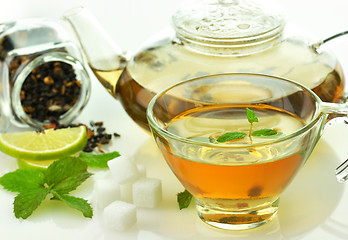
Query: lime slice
(47, 145)
(41, 165)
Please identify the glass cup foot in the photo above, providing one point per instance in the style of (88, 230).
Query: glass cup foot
(237, 220)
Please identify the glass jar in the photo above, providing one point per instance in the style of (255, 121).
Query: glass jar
(43, 78)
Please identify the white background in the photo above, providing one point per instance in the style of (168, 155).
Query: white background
(314, 207)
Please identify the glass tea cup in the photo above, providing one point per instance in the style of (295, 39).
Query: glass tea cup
(236, 182)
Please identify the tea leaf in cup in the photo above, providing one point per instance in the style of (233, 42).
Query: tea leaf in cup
(251, 116)
(230, 136)
(264, 132)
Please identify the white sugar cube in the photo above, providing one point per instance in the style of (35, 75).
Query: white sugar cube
(147, 192)
(106, 192)
(126, 190)
(119, 216)
(141, 169)
(148, 235)
(123, 169)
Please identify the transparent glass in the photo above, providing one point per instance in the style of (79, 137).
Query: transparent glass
(26, 45)
(4, 123)
(237, 183)
(81, 74)
(208, 37)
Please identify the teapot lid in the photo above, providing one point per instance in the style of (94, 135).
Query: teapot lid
(221, 20)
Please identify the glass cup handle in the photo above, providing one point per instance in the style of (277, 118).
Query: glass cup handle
(339, 111)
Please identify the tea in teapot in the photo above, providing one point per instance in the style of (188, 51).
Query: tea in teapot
(207, 37)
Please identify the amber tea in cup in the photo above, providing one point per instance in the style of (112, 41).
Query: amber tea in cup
(236, 182)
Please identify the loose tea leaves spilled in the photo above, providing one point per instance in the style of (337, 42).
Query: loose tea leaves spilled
(49, 91)
(96, 134)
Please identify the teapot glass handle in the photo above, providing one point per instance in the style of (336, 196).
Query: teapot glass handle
(317, 45)
(334, 36)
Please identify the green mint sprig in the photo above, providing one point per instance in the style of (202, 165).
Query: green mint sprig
(61, 177)
(33, 186)
(239, 135)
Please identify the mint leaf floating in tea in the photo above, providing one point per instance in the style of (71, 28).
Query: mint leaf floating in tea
(264, 132)
(33, 186)
(230, 136)
(251, 118)
(184, 199)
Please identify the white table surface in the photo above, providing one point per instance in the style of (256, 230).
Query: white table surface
(314, 207)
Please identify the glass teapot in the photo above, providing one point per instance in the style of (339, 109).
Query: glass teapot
(207, 37)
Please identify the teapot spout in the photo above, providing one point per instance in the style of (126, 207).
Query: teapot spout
(104, 57)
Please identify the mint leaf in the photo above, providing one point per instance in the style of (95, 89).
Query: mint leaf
(61, 177)
(98, 160)
(264, 132)
(70, 183)
(251, 116)
(64, 168)
(184, 199)
(26, 202)
(22, 180)
(231, 136)
(76, 203)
